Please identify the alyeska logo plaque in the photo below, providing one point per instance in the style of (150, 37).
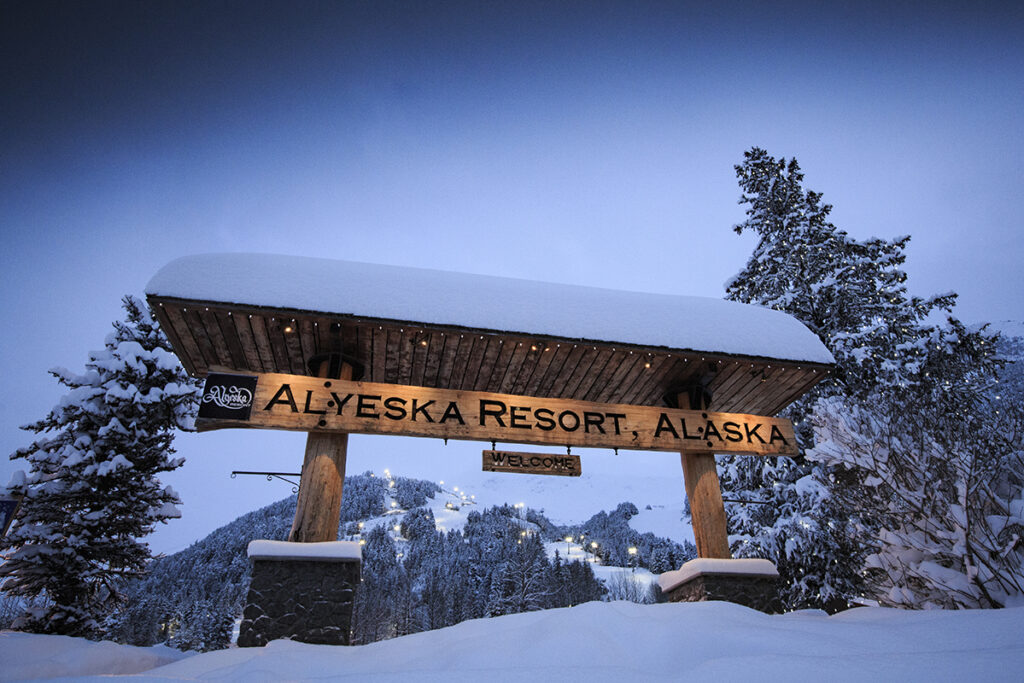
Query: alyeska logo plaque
(228, 397)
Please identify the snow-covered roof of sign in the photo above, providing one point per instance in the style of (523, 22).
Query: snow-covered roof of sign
(324, 551)
(707, 565)
(487, 302)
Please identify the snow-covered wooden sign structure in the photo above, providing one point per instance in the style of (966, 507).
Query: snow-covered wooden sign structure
(332, 347)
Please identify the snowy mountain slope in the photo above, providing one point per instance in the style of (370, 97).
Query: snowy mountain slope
(620, 641)
(642, 478)
(1011, 348)
(565, 500)
(667, 521)
(453, 503)
(1008, 328)
(632, 582)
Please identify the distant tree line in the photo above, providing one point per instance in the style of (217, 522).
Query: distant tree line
(609, 536)
(495, 565)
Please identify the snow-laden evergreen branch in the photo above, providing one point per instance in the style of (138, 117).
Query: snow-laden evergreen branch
(92, 490)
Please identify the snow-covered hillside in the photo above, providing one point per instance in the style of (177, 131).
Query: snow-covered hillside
(643, 478)
(659, 499)
(453, 503)
(616, 641)
(1009, 328)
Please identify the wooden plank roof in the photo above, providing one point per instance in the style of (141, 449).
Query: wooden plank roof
(221, 333)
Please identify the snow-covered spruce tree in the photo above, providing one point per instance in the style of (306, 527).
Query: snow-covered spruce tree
(853, 295)
(947, 496)
(526, 578)
(939, 468)
(92, 490)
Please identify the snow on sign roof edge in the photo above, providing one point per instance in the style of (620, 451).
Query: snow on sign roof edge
(486, 302)
(336, 551)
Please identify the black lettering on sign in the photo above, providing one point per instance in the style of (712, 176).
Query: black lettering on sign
(710, 429)
(732, 432)
(340, 402)
(394, 408)
(753, 432)
(531, 463)
(686, 435)
(452, 413)
(366, 407)
(299, 403)
(776, 432)
(517, 419)
(575, 421)
(421, 410)
(616, 417)
(665, 425)
(493, 408)
(227, 397)
(307, 410)
(593, 420)
(543, 416)
(289, 400)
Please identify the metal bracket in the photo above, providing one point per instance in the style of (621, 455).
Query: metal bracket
(273, 475)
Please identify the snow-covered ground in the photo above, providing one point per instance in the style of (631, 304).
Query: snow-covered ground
(28, 656)
(665, 520)
(616, 641)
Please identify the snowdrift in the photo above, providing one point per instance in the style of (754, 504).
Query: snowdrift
(615, 642)
(26, 656)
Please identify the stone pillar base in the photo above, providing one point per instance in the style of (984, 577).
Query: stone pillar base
(748, 582)
(300, 591)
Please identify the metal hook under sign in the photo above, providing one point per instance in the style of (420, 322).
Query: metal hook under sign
(273, 475)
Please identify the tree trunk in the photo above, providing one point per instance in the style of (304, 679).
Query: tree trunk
(703, 490)
(318, 509)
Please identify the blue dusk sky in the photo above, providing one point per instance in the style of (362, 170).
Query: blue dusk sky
(588, 143)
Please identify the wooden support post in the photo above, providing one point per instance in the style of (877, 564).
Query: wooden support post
(318, 508)
(703, 490)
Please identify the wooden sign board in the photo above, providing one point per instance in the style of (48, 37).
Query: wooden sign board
(312, 404)
(561, 464)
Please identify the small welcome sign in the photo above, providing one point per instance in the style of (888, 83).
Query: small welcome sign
(565, 465)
